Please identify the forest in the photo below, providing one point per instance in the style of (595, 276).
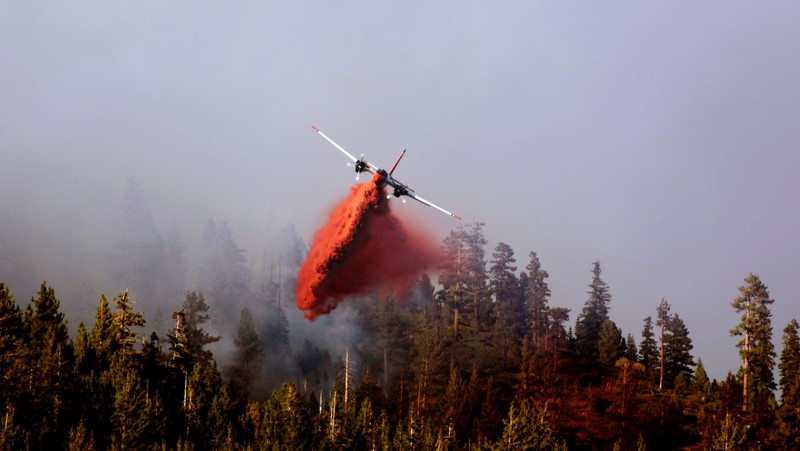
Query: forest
(475, 358)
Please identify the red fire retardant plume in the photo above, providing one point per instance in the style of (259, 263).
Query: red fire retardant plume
(362, 246)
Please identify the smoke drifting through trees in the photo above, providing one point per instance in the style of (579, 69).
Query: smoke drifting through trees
(362, 246)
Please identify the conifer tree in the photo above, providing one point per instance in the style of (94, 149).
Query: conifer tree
(14, 369)
(789, 367)
(11, 347)
(789, 378)
(508, 306)
(527, 428)
(272, 328)
(611, 345)
(558, 335)
(648, 351)
(248, 358)
(538, 295)
(195, 315)
(700, 380)
(137, 262)
(225, 277)
(391, 338)
(662, 320)
(50, 379)
(755, 347)
(594, 314)
(454, 275)
(102, 337)
(630, 349)
(677, 349)
(123, 321)
(476, 289)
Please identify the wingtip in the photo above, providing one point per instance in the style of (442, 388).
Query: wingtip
(457, 216)
(314, 127)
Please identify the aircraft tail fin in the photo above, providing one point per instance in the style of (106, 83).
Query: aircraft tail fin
(397, 162)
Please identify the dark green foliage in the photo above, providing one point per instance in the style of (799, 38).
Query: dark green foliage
(195, 309)
(500, 385)
(648, 349)
(594, 314)
(630, 349)
(788, 434)
(611, 345)
(508, 305)
(463, 278)
(247, 364)
(677, 349)
(755, 347)
(12, 349)
(537, 297)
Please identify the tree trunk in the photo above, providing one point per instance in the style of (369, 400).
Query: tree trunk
(745, 378)
(455, 322)
(385, 369)
(661, 379)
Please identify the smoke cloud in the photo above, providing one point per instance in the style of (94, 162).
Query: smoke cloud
(362, 246)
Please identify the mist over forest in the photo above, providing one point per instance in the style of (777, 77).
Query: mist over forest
(112, 241)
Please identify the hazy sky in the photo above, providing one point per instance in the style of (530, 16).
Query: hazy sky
(660, 139)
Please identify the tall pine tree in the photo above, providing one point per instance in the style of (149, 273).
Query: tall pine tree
(538, 294)
(648, 349)
(755, 347)
(594, 314)
(677, 349)
(504, 287)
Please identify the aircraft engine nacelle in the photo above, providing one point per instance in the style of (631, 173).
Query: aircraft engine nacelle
(400, 192)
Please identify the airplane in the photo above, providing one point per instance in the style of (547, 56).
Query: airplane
(381, 177)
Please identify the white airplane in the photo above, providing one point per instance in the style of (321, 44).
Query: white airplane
(382, 178)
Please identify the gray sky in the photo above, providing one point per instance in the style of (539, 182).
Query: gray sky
(658, 138)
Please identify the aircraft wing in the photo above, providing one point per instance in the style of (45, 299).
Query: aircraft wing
(414, 196)
(349, 155)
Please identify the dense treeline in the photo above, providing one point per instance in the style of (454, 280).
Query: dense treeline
(482, 360)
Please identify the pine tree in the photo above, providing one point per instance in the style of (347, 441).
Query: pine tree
(391, 336)
(677, 349)
(248, 358)
(476, 288)
(538, 295)
(503, 285)
(662, 320)
(102, 337)
(648, 351)
(194, 309)
(610, 346)
(181, 358)
(454, 275)
(700, 380)
(789, 374)
(11, 347)
(558, 335)
(272, 328)
(123, 321)
(755, 347)
(789, 367)
(51, 377)
(630, 349)
(224, 274)
(137, 262)
(594, 314)
(526, 427)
